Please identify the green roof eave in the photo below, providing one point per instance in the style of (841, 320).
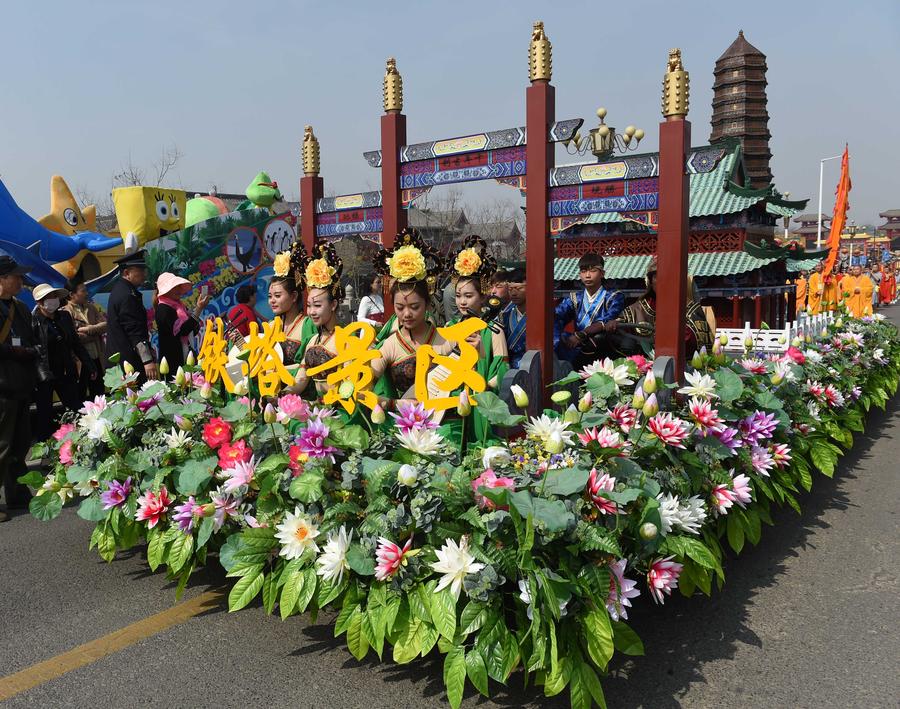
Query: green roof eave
(741, 191)
(699, 264)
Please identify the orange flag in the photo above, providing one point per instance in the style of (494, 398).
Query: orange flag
(839, 216)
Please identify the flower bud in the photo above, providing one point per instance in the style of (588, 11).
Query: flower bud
(163, 366)
(408, 475)
(696, 361)
(637, 401)
(242, 388)
(206, 390)
(782, 340)
(824, 332)
(207, 510)
(378, 416)
(717, 347)
(554, 443)
(269, 414)
(180, 379)
(346, 390)
(651, 406)
(776, 378)
(183, 423)
(191, 360)
(723, 339)
(748, 339)
(839, 322)
(127, 366)
(648, 531)
(649, 384)
(561, 397)
(796, 342)
(585, 402)
(519, 396)
(464, 407)
(571, 415)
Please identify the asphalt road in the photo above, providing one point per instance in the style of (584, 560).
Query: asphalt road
(806, 619)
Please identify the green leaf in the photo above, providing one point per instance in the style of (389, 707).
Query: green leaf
(768, 400)
(308, 590)
(46, 506)
(106, 545)
(699, 552)
(270, 593)
(245, 590)
(272, 464)
(563, 482)
(308, 486)
(33, 479)
(356, 639)
(443, 613)
(360, 561)
(735, 533)
(350, 437)
(601, 386)
(729, 385)
(824, 458)
(495, 410)
(234, 411)
(553, 514)
(455, 675)
(205, 531)
(477, 672)
(590, 680)
(472, 617)
(626, 640)
(193, 475)
(180, 551)
(599, 635)
(408, 642)
(156, 549)
(91, 509)
(290, 592)
(232, 545)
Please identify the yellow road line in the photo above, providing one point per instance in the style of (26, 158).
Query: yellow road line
(94, 650)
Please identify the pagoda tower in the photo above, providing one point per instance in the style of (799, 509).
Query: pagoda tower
(740, 106)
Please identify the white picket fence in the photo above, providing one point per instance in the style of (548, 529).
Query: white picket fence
(774, 341)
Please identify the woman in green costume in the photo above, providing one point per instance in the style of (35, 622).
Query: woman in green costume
(285, 301)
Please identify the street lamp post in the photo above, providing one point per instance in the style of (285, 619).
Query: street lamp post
(819, 215)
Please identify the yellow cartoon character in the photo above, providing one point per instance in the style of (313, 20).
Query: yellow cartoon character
(147, 213)
(65, 216)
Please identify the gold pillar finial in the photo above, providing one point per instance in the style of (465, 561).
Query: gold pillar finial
(310, 153)
(540, 55)
(393, 87)
(676, 87)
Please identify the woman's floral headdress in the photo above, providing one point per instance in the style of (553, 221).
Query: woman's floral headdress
(409, 261)
(473, 262)
(322, 269)
(288, 263)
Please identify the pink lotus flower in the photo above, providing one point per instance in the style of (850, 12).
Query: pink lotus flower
(239, 474)
(66, 455)
(186, 514)
(663, 577)
(291, 406)
(312, 440)
(643, 364)
(605, 438)
(669, 429)
(94, 407)
(624, 416)
(232, 453)
(758, 427)
(198, 380)
(413, 417)
(761, 460)
(728, 436)
(116, 493)
(832, 396)
(226, 506)
(490, 480)
(63, 431)
(390, 558)
(722, 499)
(704, 415)
(781, 454)
(740, 486)
(621, 590)
(815, 388)
(217, 432)
(796, 355)
(752, 365)
(598, 484)
(152, 507)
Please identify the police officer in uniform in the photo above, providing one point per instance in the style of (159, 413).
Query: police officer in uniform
(127, 334)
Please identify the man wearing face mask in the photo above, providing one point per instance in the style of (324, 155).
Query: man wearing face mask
(60, 346)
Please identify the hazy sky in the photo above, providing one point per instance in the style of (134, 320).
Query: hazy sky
(232, 83)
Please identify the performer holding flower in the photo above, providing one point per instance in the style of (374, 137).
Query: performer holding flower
(285, 302)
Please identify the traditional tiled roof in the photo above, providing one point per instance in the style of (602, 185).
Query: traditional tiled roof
(811, 218)
(806, 264)
(779, 211)
(740, 48)
(701, 264)
(890, 213)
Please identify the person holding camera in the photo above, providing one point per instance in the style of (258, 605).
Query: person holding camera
(18, 373)
(59, 345)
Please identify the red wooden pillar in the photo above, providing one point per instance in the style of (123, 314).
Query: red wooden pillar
(757, 311)
(540, 113)
(736, 312)
(672, 241)
(312, 189)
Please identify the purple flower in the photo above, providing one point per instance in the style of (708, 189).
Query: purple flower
(855, 393)
(757, 427)
(226, 506)
(728, 436)
(148, 403)
(186, 513)
(413, 417)
(312, 440)
(116, 493)
(762, 460)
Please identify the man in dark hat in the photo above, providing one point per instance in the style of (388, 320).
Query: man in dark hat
(127, 334)
(18, 372)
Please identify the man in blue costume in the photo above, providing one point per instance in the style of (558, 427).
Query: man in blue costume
(593, 310)
(513, 316)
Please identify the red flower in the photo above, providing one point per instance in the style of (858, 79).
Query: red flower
(298, 458)
(216, 432)
(796, 355)
(238, 452)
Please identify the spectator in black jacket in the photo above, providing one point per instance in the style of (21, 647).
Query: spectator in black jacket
(174, 324)
(58, 340)
(18, 373)
(127, 335)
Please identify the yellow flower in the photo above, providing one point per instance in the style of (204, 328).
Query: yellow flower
(467, 262)
(318, 274)
(282, 264)
(407, 264)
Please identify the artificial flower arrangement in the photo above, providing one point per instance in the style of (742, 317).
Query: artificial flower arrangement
(523, 557)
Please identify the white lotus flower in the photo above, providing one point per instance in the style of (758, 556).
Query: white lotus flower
(620, 374)
(454, 562)
(494, 455)
(668, 510)
(700, 384)
(407, 475)
(691, 514)
(423, 441)
(95, 425)
(86, 487)
(296, 533)
(333, 560)
(177, 439)
(549, 430)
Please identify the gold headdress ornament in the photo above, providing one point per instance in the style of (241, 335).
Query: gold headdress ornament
(288, 263)
(322, 269)
(473, 262)
(409, 261)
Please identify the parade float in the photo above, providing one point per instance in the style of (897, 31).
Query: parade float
(517, 552)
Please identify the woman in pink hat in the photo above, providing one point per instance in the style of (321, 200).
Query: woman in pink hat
(174, 323)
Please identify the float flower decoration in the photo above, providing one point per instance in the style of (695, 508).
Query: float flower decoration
(556, 534)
